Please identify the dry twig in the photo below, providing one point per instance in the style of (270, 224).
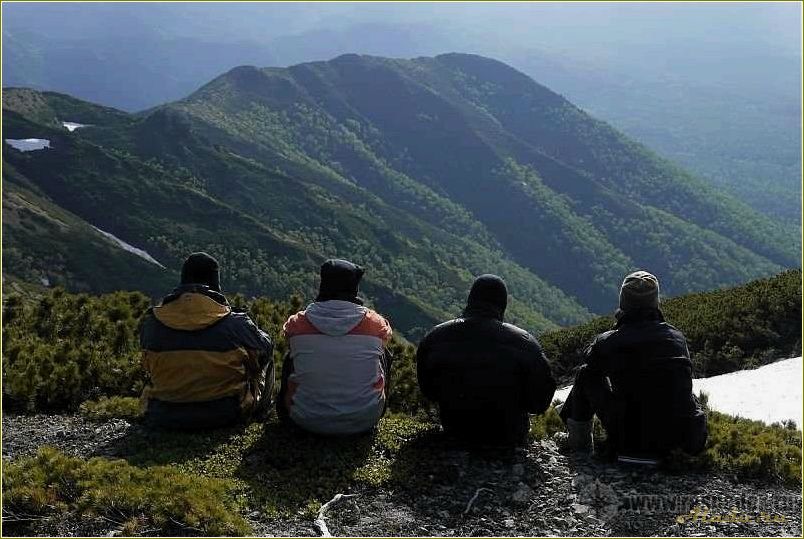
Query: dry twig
(320, 523)
(474, 498)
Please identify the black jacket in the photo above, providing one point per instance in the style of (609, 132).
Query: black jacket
(486, 376)
(649, 367)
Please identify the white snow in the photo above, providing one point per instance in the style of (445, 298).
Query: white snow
(72, 126)
(28, 144)
(128, 247)
(770, 393)
(562, 393)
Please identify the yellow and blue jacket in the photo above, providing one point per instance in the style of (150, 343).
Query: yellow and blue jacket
(197, 350)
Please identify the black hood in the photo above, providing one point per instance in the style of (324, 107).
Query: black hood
(340, 280)
(201, 268)
(488, 297)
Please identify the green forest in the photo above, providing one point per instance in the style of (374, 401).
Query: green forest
(475, 168)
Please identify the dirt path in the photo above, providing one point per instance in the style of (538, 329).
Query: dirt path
(536, 491)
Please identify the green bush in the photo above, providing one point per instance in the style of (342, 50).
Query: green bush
(107, 408)
(160, 497)
(545, 425)
(64, 348)
(747, 449)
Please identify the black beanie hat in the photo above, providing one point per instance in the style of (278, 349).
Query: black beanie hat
(201, 268)
(339, 280)
(489, 291)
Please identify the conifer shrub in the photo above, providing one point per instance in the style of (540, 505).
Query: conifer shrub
(106, 408)
(746, 449)
(62, 349)
(546, 425)
(158, 497)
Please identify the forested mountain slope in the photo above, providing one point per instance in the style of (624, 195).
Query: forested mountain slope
(427, 171)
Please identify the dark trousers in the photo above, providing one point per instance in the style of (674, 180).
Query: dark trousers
(592, 395)
(282, 411)
(639, 431)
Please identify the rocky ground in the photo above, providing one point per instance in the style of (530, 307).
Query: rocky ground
(540, 490)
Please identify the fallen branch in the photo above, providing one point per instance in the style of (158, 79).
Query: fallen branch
(474, 498)
(320, 523)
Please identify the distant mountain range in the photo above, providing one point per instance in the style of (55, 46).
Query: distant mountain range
(426, 171)
(723, 104)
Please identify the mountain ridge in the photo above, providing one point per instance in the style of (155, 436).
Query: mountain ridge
(423, 169)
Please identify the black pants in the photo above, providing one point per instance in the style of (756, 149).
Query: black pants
(592, 395)
(639, 430)
(282, 411)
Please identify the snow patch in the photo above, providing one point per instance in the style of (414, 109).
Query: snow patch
(72, 126)
(771, 393)
(28, 144)
(128, 247)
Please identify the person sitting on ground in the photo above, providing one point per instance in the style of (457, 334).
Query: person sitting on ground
(485, 375)
(637, 379)
(335, 377)
(209, 366)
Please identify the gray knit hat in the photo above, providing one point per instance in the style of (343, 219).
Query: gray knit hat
(640, 290)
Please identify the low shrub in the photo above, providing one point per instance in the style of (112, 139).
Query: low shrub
(545, 425)
(107, 408)
(66, 348)
(747, 449)
(157, 497)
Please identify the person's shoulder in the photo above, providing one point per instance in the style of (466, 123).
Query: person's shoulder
(148, 321)
(298, 324)
(445, 331)
(445, 327)
(675, 334)
(376, 318)
(608, 334)
(239, 320)
(605, 338)
(670, 327)
(373, 324)
(510, 331)
(148, 315)
(516, 330)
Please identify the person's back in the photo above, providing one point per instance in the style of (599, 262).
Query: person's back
(208, 366)
(335, 377)
(638, 380)
(648, 365)
(486, 376)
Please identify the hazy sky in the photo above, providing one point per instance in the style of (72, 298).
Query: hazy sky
(774, 24)
(752, 48)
